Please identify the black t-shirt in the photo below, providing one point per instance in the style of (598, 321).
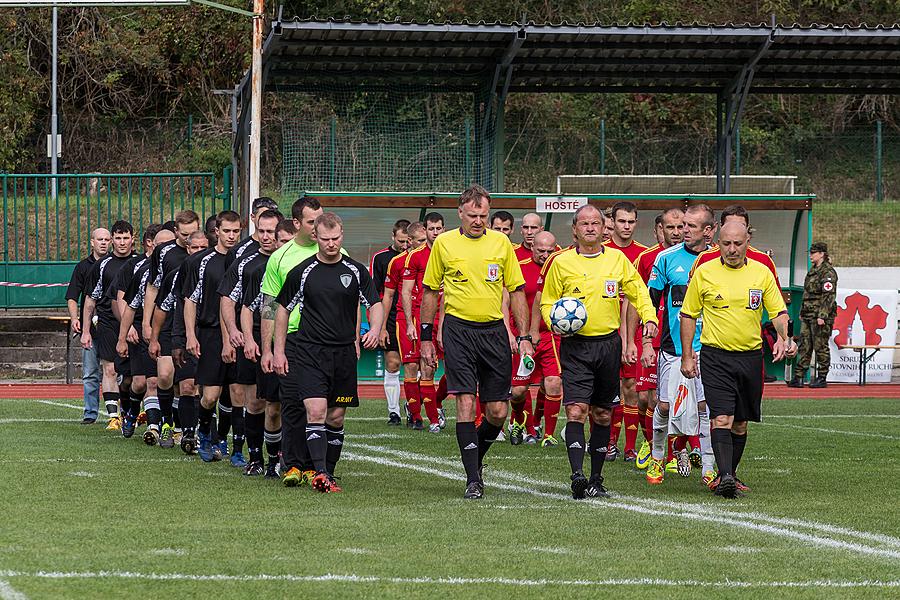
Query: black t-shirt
(232, 284)
(328, 297)
(135, 288)
(380, 262)
(76, 290)
(165, 258)
(241, 249)
(166, 300)
(100, 280)
(199, 281)
(251, 288)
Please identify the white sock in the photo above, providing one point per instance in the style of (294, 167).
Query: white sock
(392, 391)
(660, 434)
(708, 458)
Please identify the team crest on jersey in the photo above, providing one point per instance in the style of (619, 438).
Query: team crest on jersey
(493, 272)
(346, 279)
(612, 288)
(755, 299)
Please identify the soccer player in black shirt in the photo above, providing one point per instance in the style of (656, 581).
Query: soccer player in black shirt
(328, 289)
(99, 280)
(378, 268)
(200, 282)
(75, 296)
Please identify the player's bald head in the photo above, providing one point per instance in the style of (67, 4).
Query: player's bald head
(734, 230)
(163, 236)
(545, 238)
(532, 219)
(100, 232)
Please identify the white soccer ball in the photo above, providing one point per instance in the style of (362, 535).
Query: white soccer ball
(567, 316)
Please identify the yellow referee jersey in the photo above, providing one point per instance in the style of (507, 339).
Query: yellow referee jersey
(731, 302)
(474, 272)
(596, 281)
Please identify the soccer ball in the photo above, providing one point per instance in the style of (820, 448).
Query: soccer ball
(567, 316)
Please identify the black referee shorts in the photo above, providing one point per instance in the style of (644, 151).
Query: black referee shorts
(477, 358)
(732, 382)
(140, 361)
(392, 344)
(590, 369)
(211, 369)
(105, 337)
(324, 372)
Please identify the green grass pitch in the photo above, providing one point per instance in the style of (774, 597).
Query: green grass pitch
(88, 514)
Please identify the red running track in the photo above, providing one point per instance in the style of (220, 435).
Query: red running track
(375, 390)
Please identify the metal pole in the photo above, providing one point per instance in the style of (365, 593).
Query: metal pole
(54, 115)
(256, 101)
(603, 146)
(737, 150)
(879, 184)
(332, 143)
(235, 191)
(468, 165)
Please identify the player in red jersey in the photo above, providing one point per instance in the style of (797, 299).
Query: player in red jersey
(531, 226)
(624, 221)
(669, 227)
(411, 299)
(393, 281)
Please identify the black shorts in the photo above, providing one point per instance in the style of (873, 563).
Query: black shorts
(732, 382)
(188, 371)
(165, 342)
(244, 370)
(392, 344)
(324, 372)
(140, 361)
(477, 359)
(590, 369)
(105, 337)
(267, 385)
(211, 369)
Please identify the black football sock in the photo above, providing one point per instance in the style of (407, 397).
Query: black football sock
(206, 415)
(166, 404)
(134, 405)
(597, 448)
(487, 435)
(575, 445)
(154, 415)
(273, 444)
(467, 438)
(187, 414)
(253, 427)
(335, 437)
(125, 393)
(723, 449)
(237, 429)
(317, 445)
(737, 450)
(224, 417)
(111, 400)
(303, 454)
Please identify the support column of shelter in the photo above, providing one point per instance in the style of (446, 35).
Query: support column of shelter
(504, 68)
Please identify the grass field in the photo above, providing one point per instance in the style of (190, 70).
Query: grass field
(87, 514)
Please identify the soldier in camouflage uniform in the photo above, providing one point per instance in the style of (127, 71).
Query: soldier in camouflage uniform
(817, 317)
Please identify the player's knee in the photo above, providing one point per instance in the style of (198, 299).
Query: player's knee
(722, 422)
(662, 408)
(601, 416)
(335, 417)
(518, 394)
(255, 405)
(496, 412)
(577, 412)
(553, 386)
(739, 427)
(138, 384)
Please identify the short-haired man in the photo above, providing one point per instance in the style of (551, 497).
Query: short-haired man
(328, 288)
(75, 296)
(473, 265)
(100, 280)
(411, 298)
(624, 221)
(532, 224)
(503, 221)
(201, 280)
(378, 268)
(731, 294)
(595, 274)
(669, 232)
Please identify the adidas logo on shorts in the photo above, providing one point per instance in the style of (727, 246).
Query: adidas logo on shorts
(471, 446)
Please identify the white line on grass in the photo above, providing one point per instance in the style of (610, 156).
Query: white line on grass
(827, 416)
(881, 436)
(703, 512)
(7, 592)
(62, 404)
(24, 420)
(457, 581)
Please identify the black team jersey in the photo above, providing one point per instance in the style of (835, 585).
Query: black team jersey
(379, 268)
(165, 258)
(328, 297)
(241, 249)
(251, 290)
(100, 280)
(77, 289)
(199, 281)
(232, 284)
(135, 288)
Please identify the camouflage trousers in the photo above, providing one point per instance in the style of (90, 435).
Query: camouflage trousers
(814, 337)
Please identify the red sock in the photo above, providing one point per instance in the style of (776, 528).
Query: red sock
(426, 388)
(478, 412)
(517, 412)
(539, 405)
(648, 425)
(680, 443)
(441, 391)
(551, 413)
(631, 426)
(411, 388)
(616, 425)
(670, 454)
(529, 414)
(694, 441)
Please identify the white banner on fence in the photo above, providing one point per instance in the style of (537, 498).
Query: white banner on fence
(559, 204)
(863, 317)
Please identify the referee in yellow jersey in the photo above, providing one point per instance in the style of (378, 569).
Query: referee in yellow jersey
(474, 264)
(730, 294)
(591, 358)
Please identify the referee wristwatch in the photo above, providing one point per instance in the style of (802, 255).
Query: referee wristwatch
(523, 338)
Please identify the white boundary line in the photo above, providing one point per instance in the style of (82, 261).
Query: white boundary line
(62, 404)
(881, 436)
(697, 512)
(827, 416)
(457, 581)
(26, 420)
(7, 592)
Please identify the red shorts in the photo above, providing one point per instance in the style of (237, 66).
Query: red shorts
(631, 371)
(546, 361)
(646, 379)
(409, 349)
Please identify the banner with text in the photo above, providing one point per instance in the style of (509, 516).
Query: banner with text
(864, 317)
(559, 204)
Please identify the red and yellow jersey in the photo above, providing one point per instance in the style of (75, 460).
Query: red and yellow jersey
(534, 282)
(752, 254)
(414, 270)
(644, 265)
(632, 250)
(394, 277)
(522, 253)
